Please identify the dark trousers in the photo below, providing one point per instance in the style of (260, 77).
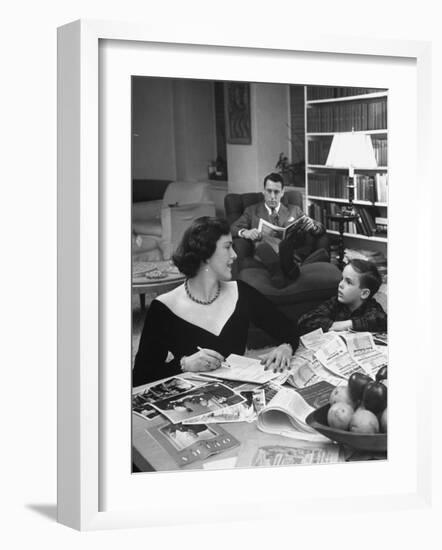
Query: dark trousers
(293, 252)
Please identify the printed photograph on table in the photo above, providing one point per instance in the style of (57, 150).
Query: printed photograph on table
(259, 274)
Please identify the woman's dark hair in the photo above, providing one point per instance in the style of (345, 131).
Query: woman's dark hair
(369, 276)
(199, 243)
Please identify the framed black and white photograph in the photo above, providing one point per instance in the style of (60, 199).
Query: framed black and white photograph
(236, 234)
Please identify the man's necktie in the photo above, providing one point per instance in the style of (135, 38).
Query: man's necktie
(274, 218)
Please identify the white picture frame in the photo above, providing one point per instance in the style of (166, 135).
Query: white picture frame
(83, 298)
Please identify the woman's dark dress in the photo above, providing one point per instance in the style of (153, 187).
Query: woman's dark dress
(164, 331)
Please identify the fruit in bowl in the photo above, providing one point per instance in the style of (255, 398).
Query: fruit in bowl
(341, 394)
(374, 397)
(359, 422)
(356, 385)
(339, 415)
(364, 421)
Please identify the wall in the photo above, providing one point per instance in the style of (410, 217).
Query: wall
(153, 129)
(248, 164)
(194, 122)
(173, 128)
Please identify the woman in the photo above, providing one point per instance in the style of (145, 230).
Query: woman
(204, 320)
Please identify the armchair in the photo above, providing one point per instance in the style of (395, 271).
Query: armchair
(158, 225)
(236, 203)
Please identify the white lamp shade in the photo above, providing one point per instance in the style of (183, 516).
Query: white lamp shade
(351, 150)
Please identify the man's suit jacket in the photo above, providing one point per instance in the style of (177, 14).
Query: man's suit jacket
(252, 214)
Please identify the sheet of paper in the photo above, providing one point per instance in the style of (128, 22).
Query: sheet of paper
(341, 364)
(307, 370)
(245, 369)
(317, 338)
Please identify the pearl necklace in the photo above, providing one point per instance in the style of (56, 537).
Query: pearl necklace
(201, 302)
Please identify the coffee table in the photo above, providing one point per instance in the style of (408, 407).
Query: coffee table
(142, 284)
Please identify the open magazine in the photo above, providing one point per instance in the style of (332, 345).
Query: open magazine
(285, 415)
(268, 229)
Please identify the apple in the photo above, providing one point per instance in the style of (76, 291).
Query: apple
(356, 385)
(374, 397)
(341, 394)
(339, 415)
(383, 420)
(364, 422)
(382, 373)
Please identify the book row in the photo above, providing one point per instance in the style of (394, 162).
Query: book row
(330, 92)
(344, 117)
(368, 222)
(334, 185)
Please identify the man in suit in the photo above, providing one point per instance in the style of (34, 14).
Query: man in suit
(308, 244)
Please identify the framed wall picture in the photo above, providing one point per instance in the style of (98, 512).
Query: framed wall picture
(237, 102)
(98, 486)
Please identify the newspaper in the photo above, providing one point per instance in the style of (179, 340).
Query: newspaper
(244, 369)
(282, 455)
(363, 349)
(316, 339)
(285, 415)
(333, 357)
(306, 370)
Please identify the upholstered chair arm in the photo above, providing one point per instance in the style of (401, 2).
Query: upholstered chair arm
(176, 219)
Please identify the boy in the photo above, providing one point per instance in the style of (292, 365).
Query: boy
(354, 306)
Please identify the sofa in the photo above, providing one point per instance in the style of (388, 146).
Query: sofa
(317, 281)
(161, 215)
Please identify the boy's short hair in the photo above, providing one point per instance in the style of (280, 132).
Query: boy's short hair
(369, 276)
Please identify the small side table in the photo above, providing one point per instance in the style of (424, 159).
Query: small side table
(342, 220)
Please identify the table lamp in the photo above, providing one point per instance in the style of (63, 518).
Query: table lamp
(351, 150)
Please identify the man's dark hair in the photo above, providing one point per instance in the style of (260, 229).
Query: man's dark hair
(199, 243)
(369, 276)
(274, 177)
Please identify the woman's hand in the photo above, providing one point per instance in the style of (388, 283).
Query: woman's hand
(202, 360)
(278, 359)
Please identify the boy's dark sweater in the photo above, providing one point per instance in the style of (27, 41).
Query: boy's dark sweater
(368, 317)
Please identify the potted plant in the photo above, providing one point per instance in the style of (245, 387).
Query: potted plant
(293, 173)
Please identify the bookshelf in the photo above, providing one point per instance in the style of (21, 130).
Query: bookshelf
(328, 112)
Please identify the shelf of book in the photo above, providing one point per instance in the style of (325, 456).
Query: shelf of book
(324, 167)
(330, 111)
(370, 132)
(360, 97)
(345, 201)
(375, 238)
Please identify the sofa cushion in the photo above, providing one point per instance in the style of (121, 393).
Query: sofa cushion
(150, 227)
(317, 281)
(184, 192)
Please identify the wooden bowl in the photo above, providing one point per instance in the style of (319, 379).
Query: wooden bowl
(361, 442)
